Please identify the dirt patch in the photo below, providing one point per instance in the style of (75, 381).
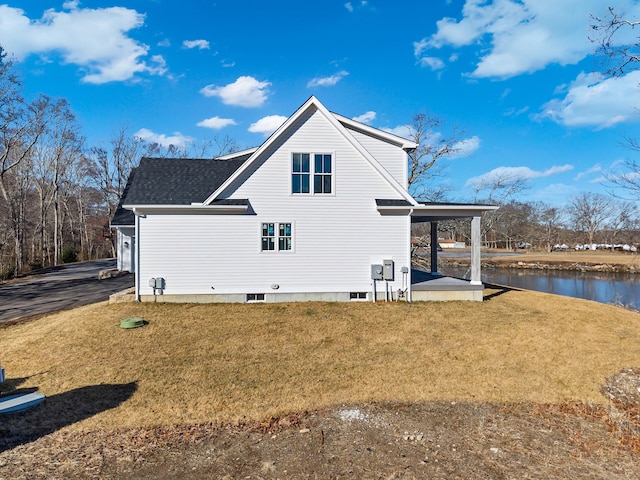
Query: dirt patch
(430, 440)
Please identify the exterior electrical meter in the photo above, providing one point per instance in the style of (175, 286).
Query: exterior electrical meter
(387, 270)
(376, 272)
(382, 272)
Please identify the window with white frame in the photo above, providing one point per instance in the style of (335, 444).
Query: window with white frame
(276, 237)
(321, 173)
(301, 175)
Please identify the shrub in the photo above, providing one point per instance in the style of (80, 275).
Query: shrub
(7, 273)
(69, 255)
(36, 264)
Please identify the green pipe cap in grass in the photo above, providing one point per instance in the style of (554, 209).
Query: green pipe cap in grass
(132, 322)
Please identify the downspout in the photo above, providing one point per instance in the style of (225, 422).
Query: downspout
(408, 294)
(137, 255)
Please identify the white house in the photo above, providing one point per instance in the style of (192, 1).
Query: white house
(320, 211)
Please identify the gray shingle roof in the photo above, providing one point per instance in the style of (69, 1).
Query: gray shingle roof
(384, 202)
(173, 181)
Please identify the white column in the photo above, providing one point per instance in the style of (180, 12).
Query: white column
(476, 278)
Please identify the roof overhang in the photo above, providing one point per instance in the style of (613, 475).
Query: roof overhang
(427, 212)
(188, 209)
(445, 211)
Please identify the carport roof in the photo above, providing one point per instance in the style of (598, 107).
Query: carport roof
(433, 211)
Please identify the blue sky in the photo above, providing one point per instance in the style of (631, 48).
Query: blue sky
(519, 78)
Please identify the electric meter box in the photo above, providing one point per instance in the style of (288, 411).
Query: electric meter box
(157, 283)
(387, 270)
(376, 272)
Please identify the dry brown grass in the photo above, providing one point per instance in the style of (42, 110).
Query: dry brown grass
(595, 257)
(202, 363)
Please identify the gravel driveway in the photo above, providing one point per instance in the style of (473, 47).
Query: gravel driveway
(59, 288)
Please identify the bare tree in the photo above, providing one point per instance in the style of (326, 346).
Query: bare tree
(626, 178)
(497, 189)
(621, 57)
(424, 161)
(109, 168)
(57, 150)
(589, 213)
(211, 148)
(21, 125)
(550, 222)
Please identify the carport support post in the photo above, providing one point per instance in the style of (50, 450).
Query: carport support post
(434, 247)
(476, 278)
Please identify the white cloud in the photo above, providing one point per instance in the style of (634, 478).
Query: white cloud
(592, 100)
(519, 36)
(216, 123)
(466, 147)
(201, 44)
(94, 39)
(244, 92)
(349, 5)
(177, 139)
(366, 117)
(595, 169)
(434, 63)
(327, 81)
(512, 112)
(267, 125)
(505, 174)
(403, 131)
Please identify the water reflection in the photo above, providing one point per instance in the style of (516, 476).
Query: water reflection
(617, 288)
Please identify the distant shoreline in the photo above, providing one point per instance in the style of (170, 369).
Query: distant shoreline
(582, 261)
(572, 266)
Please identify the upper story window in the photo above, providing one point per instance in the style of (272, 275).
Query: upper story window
(322, 173)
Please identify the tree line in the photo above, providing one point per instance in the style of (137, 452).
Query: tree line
(57, 193)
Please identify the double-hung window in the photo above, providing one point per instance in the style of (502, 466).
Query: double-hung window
(276, 237)
(321, 173)
(300, 173)
(318, 182)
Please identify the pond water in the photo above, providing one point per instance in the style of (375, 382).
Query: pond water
(616, 288)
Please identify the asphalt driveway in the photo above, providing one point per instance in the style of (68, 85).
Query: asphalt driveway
(59, 288)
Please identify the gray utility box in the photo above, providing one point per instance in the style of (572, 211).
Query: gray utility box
(387, 270)
(376, 272)
(157, 283)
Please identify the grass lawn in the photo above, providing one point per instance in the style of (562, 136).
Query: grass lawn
(237, 362)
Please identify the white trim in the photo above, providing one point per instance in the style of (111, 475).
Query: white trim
(231, 156)
(331, 118)
(439, 211)
(276, 238)
(312, 173)
(199, 208)
(402, 142)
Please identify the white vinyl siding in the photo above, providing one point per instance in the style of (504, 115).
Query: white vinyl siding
(336, 237)
(392, 158)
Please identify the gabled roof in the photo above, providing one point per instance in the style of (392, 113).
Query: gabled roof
(178, 181)
(313, 102)
(375, 132)
(173, 181)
